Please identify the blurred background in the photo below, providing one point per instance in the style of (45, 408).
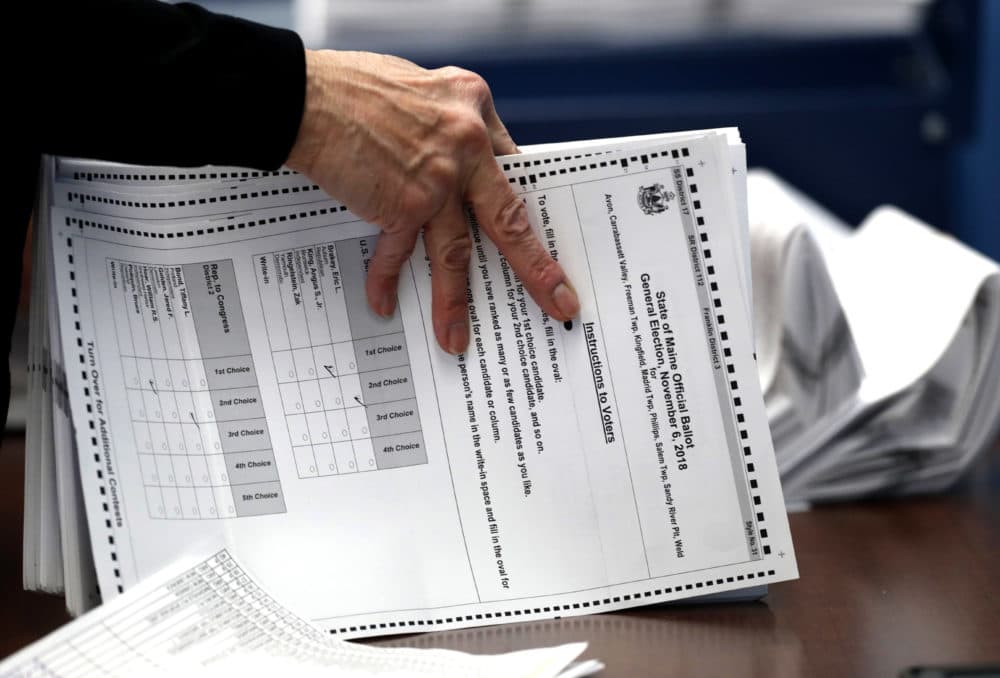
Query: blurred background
(858, 103)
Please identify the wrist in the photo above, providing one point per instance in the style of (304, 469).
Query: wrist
(307, 142)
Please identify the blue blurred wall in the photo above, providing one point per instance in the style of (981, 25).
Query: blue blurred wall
(977, 162)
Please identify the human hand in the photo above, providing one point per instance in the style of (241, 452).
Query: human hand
(407, 148)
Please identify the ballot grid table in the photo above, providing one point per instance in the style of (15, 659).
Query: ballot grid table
(343, 373)
(201, 435)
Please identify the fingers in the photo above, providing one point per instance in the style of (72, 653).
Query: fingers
(504, 217)
(449, 246)
(391, 252)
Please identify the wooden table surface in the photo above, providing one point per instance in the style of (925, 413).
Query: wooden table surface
(884, 586)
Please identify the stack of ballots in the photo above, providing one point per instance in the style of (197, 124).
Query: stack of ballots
(209, 373)
(878, 348)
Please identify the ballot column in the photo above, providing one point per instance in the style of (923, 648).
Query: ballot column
(386, 416)
(237, 411)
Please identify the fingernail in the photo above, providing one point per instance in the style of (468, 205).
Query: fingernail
(565, 300)
(458, 337)
(387, 305)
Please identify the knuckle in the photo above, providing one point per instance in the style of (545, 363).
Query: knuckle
(544, 271)
(450, 72)
(387, 263)
(511, 221)
(469, 130)
(456, 75)
(466, 79)
(476, 85)
(414, 204)
(454, 255)
(451, 305)
(441, 171)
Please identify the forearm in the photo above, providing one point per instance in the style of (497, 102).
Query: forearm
(147, 82)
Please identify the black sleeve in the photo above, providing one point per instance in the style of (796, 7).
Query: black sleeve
(136, 81)
(146, 82)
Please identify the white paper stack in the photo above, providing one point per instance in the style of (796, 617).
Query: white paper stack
(57, 552)
(212, 373)
(878, 349)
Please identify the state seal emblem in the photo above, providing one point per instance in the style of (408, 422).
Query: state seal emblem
(653, 199)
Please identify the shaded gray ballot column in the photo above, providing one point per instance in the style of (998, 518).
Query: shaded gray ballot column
(232, 382)
(383, 366)
(712, 331)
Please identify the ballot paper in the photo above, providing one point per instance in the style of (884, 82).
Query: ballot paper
(878, 349)
(211, 617)
(227, 382)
